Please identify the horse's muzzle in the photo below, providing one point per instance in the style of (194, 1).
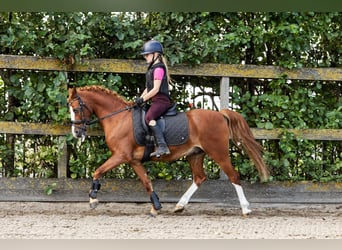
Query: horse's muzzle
(79, 132)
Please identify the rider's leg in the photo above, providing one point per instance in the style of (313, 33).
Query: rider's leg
(162, 147)
(158, 107)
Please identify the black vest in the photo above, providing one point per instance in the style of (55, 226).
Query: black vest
(164, 87)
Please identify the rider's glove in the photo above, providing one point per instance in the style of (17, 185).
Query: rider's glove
(139, 101)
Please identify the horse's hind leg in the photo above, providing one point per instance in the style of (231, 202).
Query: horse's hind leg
(234, 177)
(196, 164)
(242, 198)
(223, 159)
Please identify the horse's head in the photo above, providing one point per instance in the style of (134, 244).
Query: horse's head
(80, 114)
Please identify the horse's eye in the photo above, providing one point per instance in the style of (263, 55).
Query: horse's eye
(76, 111)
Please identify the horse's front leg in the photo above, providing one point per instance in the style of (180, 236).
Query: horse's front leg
(95, 187)
(111, 163)
(141, 172)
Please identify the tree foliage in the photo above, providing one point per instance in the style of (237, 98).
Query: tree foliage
(286, 39)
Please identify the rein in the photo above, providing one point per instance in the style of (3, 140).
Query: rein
(109, 115)
(86, 122)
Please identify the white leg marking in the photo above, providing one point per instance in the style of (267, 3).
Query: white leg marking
(243, 201)
(187, 195)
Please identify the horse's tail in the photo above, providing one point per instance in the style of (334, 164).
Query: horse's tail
(241, 134)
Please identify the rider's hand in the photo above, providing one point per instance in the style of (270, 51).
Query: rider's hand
(139, 100)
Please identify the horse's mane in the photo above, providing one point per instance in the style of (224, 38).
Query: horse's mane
(96, 88)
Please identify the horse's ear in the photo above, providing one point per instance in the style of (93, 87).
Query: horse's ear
(72, 92)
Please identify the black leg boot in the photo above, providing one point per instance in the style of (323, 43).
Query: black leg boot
(162, 147)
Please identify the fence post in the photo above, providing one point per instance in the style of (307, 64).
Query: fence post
(62, 157)
(224, 103)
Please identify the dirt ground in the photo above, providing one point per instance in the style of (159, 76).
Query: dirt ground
(39, 220)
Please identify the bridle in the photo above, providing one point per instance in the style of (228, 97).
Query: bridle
(85, 122)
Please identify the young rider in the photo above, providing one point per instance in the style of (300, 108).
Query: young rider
(157, 91)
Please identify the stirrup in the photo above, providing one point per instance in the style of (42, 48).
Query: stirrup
(159, 152)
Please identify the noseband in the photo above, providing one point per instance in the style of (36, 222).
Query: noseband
(80, 110)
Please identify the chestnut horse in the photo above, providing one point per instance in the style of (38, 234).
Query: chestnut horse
(209, 133)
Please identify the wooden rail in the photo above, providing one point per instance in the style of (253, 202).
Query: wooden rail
(139, 67)
(212, 191)
(62, 130)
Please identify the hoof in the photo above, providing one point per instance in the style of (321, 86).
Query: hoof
(93, 203)
(246, 212)
(153, 212)
(178, 209)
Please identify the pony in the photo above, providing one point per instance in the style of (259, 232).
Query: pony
(209, 133)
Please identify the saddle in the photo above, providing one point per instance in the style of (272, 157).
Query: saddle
(173, 124)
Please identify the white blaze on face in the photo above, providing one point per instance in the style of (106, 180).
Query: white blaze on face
(72, 116)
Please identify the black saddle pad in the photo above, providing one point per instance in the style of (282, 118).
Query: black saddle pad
(176, 128)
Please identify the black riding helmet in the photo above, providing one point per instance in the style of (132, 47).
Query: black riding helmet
(151, 47)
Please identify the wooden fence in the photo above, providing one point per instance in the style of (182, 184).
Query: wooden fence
(138, 67)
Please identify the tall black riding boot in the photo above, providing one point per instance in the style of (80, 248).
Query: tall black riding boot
(162, 147)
